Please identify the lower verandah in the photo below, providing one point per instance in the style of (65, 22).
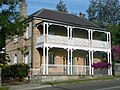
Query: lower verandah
(60, 64)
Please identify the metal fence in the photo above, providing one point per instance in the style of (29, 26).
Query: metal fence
(100, 71)
(54, 69)
(117, 68)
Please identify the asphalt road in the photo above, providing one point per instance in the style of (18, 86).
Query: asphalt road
(99, 85)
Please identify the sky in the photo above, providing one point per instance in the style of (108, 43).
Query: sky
(73, 6)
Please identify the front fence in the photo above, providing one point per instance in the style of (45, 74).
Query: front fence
(117, 68)
(57, 69)
(54, 69)
(100, 71)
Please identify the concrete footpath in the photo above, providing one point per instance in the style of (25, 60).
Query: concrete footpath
(28, 87)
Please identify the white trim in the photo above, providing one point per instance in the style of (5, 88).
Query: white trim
(110, 63)
(90, 68)
(68, 61)
(75, 47)
(68, 30)
(47, 60)
(92, 71)
(71, 54)
(108, 55)
(44, 28)
(44, 60)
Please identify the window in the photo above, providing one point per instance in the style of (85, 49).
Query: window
(26, 58)
(51, 30)
(87, 60)
(15, 59)
(15, 39)
(28, 31)
(51, 58)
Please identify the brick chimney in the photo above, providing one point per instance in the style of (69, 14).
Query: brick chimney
(23, 9)
(82, 15)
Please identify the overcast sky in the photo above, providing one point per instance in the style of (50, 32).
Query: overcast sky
(73, 6)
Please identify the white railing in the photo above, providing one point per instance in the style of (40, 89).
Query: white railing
(64, 40)
(54, 39)
(80, 42)
(100, 44)
(57, 69)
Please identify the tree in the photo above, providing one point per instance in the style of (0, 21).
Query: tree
(61, 6)
(115, 33)
(11, 23)
(106, 13)
(103, 12)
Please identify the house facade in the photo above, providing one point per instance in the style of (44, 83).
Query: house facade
(58, 43)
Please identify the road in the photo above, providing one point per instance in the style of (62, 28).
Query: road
(99, 85)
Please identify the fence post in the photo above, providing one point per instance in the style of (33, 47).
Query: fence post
(0, 76)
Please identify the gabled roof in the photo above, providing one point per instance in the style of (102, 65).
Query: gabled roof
(63, 17)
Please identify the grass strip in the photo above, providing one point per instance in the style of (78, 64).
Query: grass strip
(93, 79)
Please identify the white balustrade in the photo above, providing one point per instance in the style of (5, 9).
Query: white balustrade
(64, 40)
(80, 42)
(55, 39)
(100, 44)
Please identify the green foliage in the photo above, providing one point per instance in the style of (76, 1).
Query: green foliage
(115, 30)
(61, 6)
(23, 49)
(103, 12)
(11, 23)
(4, 58)
(13, 71)
(10, 20)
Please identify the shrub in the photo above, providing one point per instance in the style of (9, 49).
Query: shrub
(101, 65)
(13, 71)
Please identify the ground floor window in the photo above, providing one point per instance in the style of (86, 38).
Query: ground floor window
(51, 58)
(15, 59)
(26, 58)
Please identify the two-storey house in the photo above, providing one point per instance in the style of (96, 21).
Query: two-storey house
(61, 43)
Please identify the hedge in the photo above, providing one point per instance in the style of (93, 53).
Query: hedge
(15, 71)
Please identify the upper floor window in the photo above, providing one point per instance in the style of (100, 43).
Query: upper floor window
(28, 31)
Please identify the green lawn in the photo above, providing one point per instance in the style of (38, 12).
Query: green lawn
(3, 88)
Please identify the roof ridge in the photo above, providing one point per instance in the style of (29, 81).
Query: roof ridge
(37, 12)
(62, 16)
(60, 12)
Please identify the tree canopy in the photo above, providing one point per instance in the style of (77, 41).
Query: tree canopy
(10, 19)
(11, 23)
(61, 6)
(106, 13)
(103, 12)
